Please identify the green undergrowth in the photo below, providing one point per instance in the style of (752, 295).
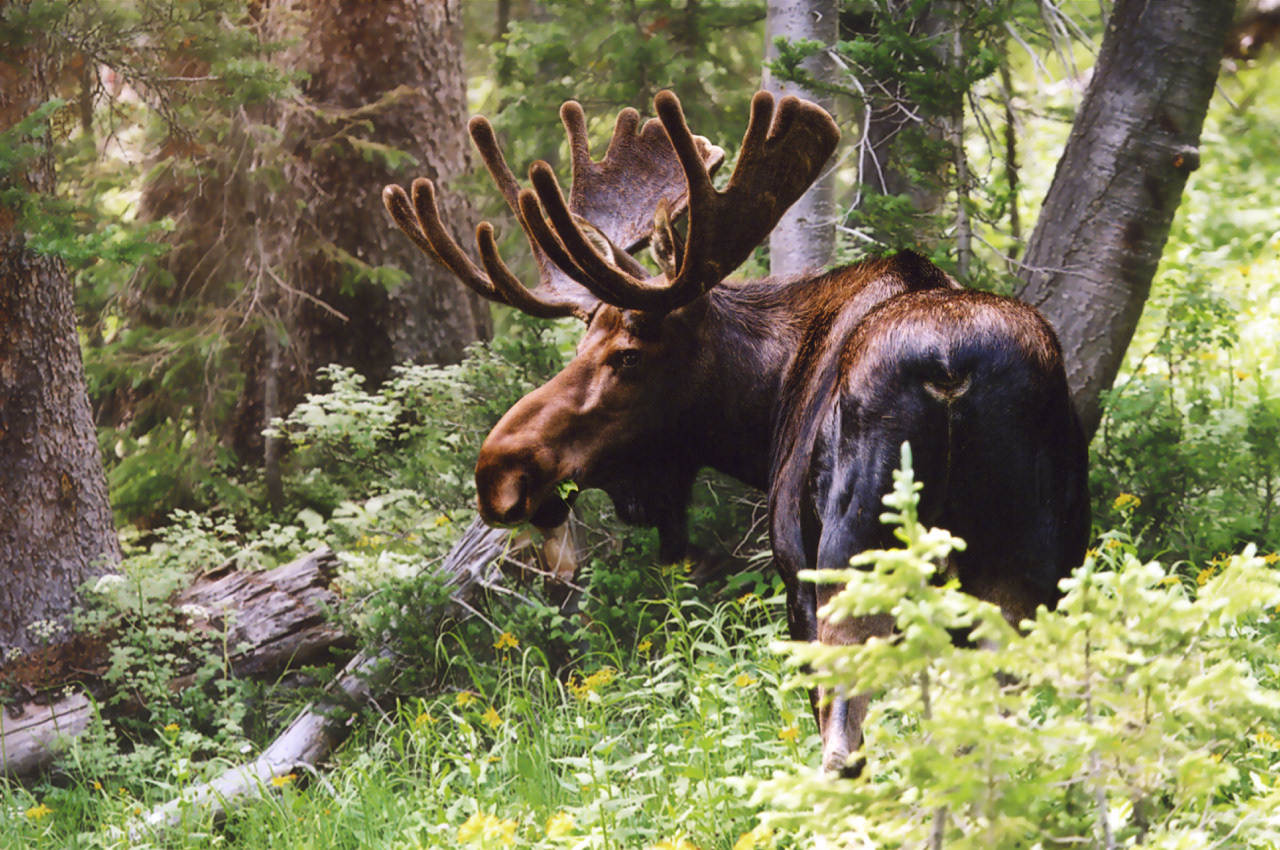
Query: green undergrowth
(643, 744)
(1142, 712)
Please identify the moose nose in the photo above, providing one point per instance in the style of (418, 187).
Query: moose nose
(502, 492)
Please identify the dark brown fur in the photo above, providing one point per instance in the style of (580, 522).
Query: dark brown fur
(804, 388)
(807, 389)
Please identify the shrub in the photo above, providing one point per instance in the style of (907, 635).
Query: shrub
(1142, 710)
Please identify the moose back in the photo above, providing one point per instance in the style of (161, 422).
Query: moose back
(803, 388)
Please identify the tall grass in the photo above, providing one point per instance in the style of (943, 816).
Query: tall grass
(639, 748)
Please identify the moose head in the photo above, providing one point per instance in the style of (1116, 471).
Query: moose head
(612, 418)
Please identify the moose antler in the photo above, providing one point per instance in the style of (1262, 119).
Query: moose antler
(781, 156)
(611, 204)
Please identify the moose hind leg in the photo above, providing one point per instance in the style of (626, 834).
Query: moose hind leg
(841, 714)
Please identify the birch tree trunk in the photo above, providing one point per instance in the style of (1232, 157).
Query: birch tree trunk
(56, 529)
(1106, 218)
(805, 237)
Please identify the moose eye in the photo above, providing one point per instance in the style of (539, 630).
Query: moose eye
(629, 359)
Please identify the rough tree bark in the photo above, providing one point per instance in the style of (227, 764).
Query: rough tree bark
(1106, 218)
(805, 237)
(56, 528)
(377, 76)
(405, 57)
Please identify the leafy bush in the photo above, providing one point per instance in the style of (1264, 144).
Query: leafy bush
(1141, 711)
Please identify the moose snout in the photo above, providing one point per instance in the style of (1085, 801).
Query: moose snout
(502, 494)
(512, 480)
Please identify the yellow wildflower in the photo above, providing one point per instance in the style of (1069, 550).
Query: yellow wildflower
(465, 698)
(507, 641)
(1168, 581)
(1242, 375)
(39, 812)
(744, 680)
(1204, 575)
(789, 734)
(492, 718)
(1272, 558)
(486, 827)
(423, 720)
(679, 569)
(676, 843)
(97, 786)
(746, 598)
(1126, 501)
(281, 781)
(753, 839)
(171, 728)
(442, 521)
(592, 683)
(473, 828)
(560, 825)
(644, 647)
(1266, 739)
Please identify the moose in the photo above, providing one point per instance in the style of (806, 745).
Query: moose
(803, 388)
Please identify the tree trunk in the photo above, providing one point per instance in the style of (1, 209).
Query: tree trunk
(893, 123)
(398, 66)
(805, 237)
(1106, 218)
(291, 220)
(56, 529)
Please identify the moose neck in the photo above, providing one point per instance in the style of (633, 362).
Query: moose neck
(748, 337)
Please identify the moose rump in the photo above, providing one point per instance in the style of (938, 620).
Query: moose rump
(975, 383)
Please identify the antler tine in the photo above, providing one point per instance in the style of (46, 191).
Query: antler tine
(417, 219)
(782, 153)
(420, 220)
(598, 274)
(500, 284)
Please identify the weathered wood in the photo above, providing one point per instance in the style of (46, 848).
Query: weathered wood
(273, 620)
(307, 740)
(474, 565)
(31, 738)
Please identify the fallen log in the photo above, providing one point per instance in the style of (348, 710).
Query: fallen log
(474, 565)
(272, 621)
(32, 736)
(307, 740)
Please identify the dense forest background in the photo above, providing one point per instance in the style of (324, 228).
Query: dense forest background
(266, 366)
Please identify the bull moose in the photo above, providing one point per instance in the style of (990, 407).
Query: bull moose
(804, 388)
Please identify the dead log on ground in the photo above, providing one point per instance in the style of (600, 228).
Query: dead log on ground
(272, 621)
(474, 566)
